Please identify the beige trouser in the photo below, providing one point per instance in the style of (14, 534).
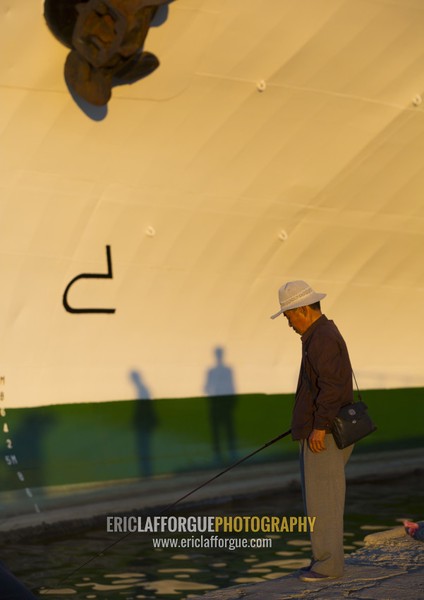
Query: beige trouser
(323, 487)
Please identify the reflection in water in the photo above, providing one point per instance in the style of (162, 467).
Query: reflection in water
(145, 421)
(170, 586)
(220, 388)
(58, 592)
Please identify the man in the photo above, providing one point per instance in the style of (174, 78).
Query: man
(325, 384)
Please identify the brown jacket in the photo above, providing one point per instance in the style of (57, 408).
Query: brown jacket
(325, 379)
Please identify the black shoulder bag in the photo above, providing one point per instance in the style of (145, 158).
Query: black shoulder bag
(352, 422)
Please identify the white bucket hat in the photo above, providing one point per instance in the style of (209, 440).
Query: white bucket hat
(295, 294)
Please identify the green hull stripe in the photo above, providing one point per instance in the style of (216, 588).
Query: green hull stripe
(77, 443)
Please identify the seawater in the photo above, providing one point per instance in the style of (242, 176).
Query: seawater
(132, 569)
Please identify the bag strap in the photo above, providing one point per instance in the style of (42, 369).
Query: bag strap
(356, 383)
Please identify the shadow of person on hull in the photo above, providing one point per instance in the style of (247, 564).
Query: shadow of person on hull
(220, 388)
(29, 443)
(145, 421)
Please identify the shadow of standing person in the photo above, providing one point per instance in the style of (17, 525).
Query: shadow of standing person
(29, 443)
(220, 388)
(145, 421)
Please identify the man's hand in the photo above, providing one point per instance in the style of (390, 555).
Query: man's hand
(316, 440)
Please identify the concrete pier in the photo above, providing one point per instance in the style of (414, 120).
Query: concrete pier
(389, 567)
(68, 506)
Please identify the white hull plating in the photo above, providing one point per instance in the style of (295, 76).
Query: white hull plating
(279, 139)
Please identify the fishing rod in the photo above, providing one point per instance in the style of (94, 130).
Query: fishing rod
(173, 504)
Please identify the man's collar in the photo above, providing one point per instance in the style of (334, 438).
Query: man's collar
(320, 321)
